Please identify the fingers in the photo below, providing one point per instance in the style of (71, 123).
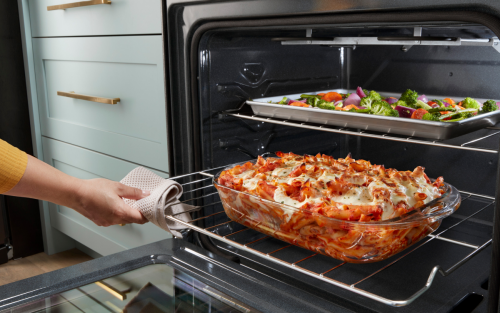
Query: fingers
(131, 192)
(134, 216)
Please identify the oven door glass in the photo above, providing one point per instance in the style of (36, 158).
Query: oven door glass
(153, 288)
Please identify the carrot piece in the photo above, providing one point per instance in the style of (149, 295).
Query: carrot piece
(449, 100)
(350, 106)
(431, 103)
(321, 94)
(418, 114)
(444, 112)
(332, 97)
(299, 104)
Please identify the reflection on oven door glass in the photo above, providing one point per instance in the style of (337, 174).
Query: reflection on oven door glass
(153, 288)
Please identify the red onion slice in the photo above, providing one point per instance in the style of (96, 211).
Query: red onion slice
(360, 92)
(404, 111)
(423, 98)
(352, 99)
(391, 100)
(446, 104)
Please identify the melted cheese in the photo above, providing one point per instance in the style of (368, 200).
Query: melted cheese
(384, 192)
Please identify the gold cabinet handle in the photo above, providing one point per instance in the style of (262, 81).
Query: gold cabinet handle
(76, 4)
(122, 295)
(74, 95)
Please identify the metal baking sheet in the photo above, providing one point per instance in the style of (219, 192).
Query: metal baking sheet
(385, 124)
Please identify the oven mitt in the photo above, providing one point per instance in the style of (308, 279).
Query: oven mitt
(163, 200)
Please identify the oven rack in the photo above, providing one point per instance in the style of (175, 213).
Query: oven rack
(201, 183)
(455, 143)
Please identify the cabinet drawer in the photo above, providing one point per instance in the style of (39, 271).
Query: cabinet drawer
(128, 68)
(86, 164)
(121, 17)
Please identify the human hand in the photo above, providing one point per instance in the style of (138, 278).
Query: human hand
(100, 200)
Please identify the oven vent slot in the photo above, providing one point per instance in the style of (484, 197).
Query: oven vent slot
(200, 191)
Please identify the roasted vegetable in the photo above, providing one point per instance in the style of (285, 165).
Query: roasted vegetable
(422, 105)
(283, 101)
(401, 103)
(460, 117)
(436, 110)
(431, 116)
(462, 114)
(489, 106)
(322, 104)
(383, 108)
(370, 98)
(470, 103)
(419, 114)
(332, 97)
(410, 97)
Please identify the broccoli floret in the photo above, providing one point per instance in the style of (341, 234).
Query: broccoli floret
(470, 103)
(431, 117)
(370, 98)
(489, 106)
(410, 97)
(383, 108)
(313, 101)
(374, 95)
(322, 104)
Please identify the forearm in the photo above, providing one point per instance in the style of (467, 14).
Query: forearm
(41, 181)
(100, 200)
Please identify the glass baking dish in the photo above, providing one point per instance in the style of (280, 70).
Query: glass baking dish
(349, 241)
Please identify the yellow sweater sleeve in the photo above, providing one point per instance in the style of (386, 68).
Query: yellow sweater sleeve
(13, 163)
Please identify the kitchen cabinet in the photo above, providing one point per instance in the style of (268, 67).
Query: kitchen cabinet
(104, 51)
(86, 164)
(121, 17)
(128, 68)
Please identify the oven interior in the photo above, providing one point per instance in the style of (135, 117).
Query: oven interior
(236, 64)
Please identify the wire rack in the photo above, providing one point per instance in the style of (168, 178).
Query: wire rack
(201, 193)
(454, 143)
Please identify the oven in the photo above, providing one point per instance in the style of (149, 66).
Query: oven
(222, 54)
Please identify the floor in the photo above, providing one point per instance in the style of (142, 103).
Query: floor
(38, 264)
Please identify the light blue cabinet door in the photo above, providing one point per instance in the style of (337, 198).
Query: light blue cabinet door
(121, 17)
(86, 164)
(128, 68)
